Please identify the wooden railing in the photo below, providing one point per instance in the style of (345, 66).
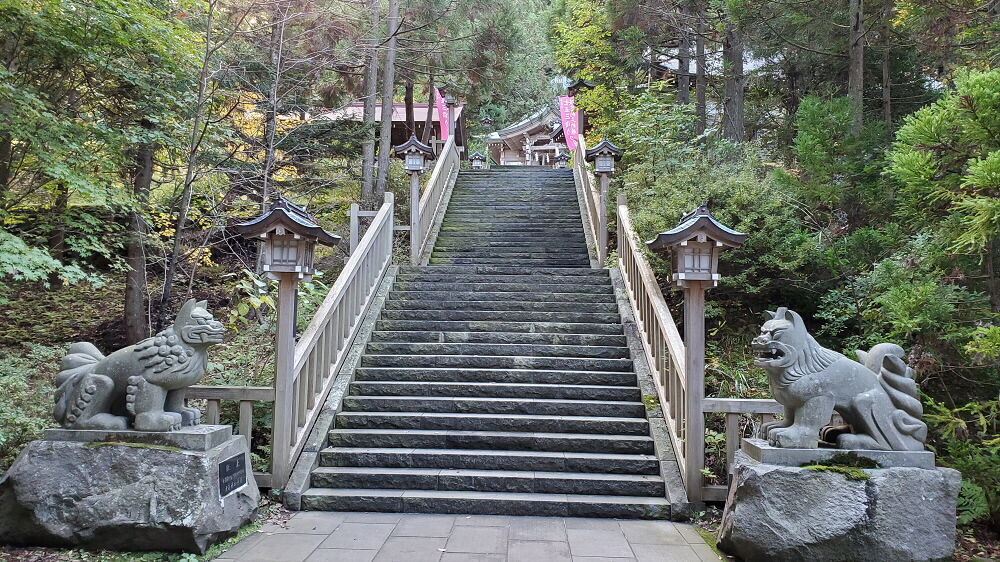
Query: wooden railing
(319, 353)
(446, 168)
(597, 216)
(681, 399)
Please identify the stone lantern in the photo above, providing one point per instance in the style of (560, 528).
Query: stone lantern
(562, 160)
(478, 161)
(604, 156)
(290, 235)
(415, 155)
(696, 243)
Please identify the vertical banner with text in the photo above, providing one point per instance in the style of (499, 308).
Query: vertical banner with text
(567, 110)
(442, 110)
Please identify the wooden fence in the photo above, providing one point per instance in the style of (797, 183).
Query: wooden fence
(684, 408)
(446, 169)
(319, 354)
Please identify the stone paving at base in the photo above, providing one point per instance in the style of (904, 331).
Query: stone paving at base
(400, 537)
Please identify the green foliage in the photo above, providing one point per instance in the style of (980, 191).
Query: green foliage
(26, 400)
(967, 438)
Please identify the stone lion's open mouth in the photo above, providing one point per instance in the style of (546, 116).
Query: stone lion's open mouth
(770, 354)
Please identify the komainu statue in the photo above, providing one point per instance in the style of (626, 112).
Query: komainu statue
(144, 383)
(877, 399)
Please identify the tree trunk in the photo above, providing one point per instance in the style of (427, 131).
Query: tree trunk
(700, 83)
(371, 90)
(733, 127)
(191, 165)
(856, 66)
(57, 238)
(388, 86)
(429, 118)
(411, 126)
(280, 16)
(136, 325)
(887, 68)
(684, 60)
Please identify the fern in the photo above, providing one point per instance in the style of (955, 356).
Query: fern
(972, 503)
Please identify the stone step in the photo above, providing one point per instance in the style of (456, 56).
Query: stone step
(496, 305)
(498, 326)
(510, 254)
(488, 481)
(492, 440)
(497, 362)
(471, 296)
(499, 337)
(505, 270)
(511, 376)
(494, 405)
(497, 349)
(492, 422)
(547, 461)
(496, 390)
(508, 316)
(525, 278)
(513, 286)
(582, 259)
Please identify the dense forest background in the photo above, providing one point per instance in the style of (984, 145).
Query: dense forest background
(858, 143)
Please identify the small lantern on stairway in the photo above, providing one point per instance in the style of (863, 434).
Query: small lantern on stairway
(604, 156)
(414, 154)
(562, 160)
(697, 242)
(290, 235)
(478, 161)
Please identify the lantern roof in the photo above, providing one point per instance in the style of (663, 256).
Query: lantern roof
(698, 221)
(414, 145)
(579, 84)
(477, 156)
(562, 157)
(604, 147)
(290, 217)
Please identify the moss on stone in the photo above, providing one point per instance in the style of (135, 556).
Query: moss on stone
(850, 472)
(96, 444)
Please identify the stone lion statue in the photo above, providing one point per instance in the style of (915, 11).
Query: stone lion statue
(877, 398)
(144, 382)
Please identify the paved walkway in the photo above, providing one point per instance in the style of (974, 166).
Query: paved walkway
(351, 537)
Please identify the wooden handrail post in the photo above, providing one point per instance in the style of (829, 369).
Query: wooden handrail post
(355, 226)
(602, 213)
(694, 359)
(284, 383)
(415, 231)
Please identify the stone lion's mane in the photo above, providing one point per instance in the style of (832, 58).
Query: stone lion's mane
(812, 359)
(167, 352)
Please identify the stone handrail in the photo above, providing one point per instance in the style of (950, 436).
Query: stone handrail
(446, 169)
(665, 353)
(597, 220)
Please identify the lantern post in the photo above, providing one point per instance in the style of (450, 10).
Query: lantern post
(289, 235)
(696, 243)
(452, 103)
(604, 156)
(414, 154)
(478, 161)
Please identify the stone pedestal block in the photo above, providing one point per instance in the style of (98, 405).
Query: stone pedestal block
(137, 495)
(778, 513)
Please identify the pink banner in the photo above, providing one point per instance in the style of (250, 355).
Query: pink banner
(567, 109)
(442, 110)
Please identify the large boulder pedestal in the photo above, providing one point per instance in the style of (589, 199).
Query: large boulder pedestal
(777, 512)
(128, 490)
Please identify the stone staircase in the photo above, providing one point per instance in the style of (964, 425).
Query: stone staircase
(498, 379)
